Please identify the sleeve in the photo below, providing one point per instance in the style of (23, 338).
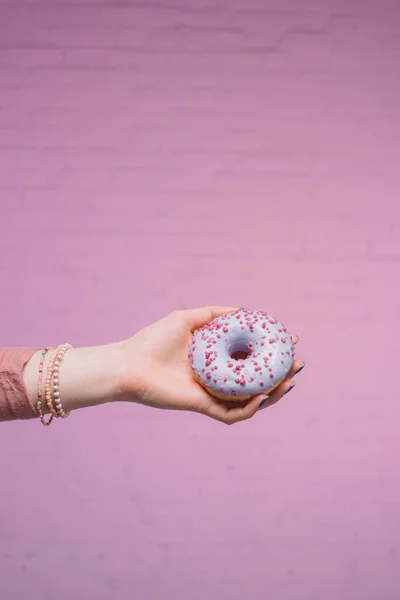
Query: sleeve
(14, 401)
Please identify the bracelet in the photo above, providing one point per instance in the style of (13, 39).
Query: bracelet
(50, 371)
(60, 353)
(40, 394)
(52, 384)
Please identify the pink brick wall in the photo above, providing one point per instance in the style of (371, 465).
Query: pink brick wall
(177, 153)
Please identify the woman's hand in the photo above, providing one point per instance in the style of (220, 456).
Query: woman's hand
(157, 372)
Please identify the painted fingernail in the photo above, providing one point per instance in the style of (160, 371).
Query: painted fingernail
(263, 402)
(301, 368)
(290, 389)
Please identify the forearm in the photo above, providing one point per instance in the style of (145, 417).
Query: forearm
(88, 377)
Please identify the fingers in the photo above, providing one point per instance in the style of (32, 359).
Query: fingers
(297, 366)
(197, 317)
(284, 388)
(229, 416)
(229, 413)
(294, 338)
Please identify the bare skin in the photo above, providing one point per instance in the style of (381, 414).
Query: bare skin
(150, 368)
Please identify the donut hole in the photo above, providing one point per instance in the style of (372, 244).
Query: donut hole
(239, 351)
(240, 355)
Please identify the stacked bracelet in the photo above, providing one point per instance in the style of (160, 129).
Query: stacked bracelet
(52, 385)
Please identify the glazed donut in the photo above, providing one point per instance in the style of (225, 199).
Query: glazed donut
(241, 354)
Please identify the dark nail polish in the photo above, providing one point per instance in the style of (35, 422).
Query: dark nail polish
(290, 389)
(263, 402)
(301, 368)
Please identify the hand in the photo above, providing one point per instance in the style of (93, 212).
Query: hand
(157, 372)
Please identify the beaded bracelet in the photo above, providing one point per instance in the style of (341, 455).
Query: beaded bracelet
(49, 376)
(40, 394)
(59, 411)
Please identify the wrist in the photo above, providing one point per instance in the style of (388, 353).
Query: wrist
(88, 376)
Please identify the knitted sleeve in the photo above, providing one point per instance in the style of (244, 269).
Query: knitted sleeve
(14, 401)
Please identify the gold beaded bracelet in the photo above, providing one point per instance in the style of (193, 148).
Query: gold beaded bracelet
(55, 383)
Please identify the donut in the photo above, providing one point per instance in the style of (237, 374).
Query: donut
(241, 354)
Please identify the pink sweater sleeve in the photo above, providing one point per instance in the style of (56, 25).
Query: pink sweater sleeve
(14, 401)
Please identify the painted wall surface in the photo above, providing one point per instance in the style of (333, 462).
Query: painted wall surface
(161, 155)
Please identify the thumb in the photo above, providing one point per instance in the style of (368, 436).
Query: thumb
(197, 317)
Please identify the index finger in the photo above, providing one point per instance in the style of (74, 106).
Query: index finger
(197, 317)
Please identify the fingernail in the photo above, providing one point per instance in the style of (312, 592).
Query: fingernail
(263, 402)
(301, 368)
(290, 389)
